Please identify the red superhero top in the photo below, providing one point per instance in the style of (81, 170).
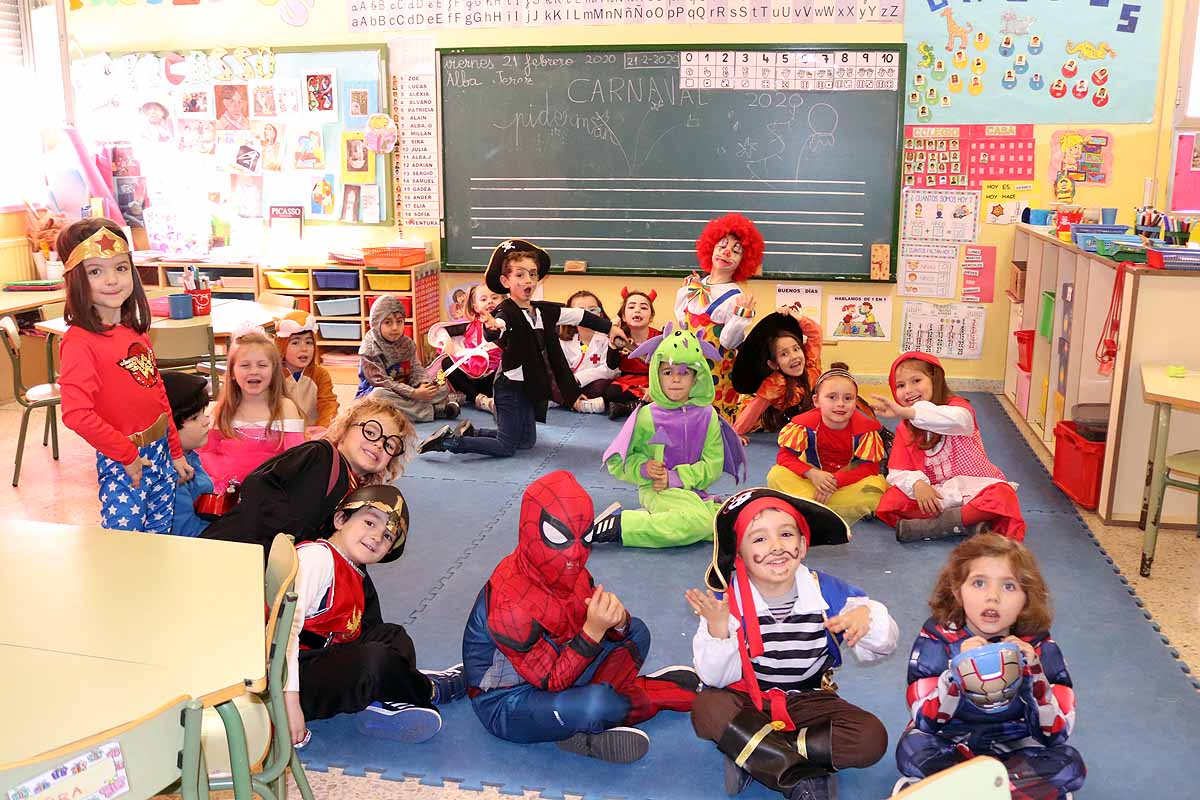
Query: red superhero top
(532, 610)
(806, 443)
(111, 388)
(341, 607)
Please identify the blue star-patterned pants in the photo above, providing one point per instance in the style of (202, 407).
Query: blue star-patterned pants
(149, 507)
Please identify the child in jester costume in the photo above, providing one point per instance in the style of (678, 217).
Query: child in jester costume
(672, 449)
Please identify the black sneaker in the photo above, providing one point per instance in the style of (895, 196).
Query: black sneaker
(617, 410)
(448, 684)
(400, 722)
(736, 778)
(607, 527)
(615, 745)
(817, 787)
(436, 441)
(450, 410)
(682, 676)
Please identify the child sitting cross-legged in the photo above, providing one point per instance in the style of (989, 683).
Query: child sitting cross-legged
(776, 370)
(342, 657)
(767, 649)
(390, 369)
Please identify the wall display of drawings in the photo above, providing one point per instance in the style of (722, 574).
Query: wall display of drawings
(364, 16)
(964, 156)
(858, 317)
(954, 330)
(940, 216)
(1082, 156)
(1038, 61)
(805, 298)
(225, 134)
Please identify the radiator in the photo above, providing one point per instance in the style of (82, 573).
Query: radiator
(16, 261)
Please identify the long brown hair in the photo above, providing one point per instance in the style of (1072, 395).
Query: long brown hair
(796, 390)
(231, 393)
(946, 603)
(135, 311)
(369, 407)
(926, 440)
(625, 301)
(567, 332)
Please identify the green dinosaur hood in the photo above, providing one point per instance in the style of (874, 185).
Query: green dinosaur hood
(681, 347)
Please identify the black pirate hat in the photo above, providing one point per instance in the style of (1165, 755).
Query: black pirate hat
(824, 527)
(385, 498)
(750, 369)
(496, 264)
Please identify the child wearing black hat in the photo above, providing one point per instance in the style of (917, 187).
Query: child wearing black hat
(766, 649)
(342, 657)
(188, 396)
(531, 372)
(776, 367)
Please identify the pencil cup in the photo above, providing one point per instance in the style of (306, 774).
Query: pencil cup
(1178, 237)
(201, 302)
(180, 306)
(1149, 231)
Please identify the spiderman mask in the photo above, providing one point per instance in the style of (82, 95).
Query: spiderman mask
(554, 538)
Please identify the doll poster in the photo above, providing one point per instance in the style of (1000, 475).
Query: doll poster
(857, 317)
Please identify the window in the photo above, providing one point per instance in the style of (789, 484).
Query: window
(14, 35)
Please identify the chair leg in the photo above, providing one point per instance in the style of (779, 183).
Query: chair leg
(21, 445)
(301, 779)
(53, 412)
(46, 429)
(1198, 512)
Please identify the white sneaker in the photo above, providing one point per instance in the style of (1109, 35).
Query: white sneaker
(485, 403)
(594, 405)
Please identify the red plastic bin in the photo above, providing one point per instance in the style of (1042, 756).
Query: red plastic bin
(1077, 465)
(1025, 349)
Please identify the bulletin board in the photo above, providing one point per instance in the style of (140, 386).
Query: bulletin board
(200, 140)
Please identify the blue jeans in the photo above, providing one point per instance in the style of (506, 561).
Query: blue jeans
(527, 714)
(516, 425)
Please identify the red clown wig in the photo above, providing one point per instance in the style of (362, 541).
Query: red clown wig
(745, 232)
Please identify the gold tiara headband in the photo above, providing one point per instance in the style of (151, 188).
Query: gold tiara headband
(101, 244)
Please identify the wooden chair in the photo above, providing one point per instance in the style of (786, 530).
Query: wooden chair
(272, 299)
(187, 347)
(268, 736)
(43, 395)
(981, 778)
(157, 750)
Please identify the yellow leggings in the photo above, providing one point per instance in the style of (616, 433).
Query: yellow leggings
(851, 503)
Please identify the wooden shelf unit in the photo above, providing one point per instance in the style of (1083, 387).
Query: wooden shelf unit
(155, 274)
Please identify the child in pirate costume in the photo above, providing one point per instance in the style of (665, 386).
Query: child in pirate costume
(672, 449)
(389, 367)
(342, 657)
(715, 307)
(533, 369)
(766, 649)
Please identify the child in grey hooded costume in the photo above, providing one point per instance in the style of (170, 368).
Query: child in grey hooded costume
(391, 369)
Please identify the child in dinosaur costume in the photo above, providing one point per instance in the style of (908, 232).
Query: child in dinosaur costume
(672, 449)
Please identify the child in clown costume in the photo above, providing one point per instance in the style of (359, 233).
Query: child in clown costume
(831, 453)
(672, 449)
(715, 307)
(552, 657)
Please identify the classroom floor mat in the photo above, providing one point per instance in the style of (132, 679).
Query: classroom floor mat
(1138, 712)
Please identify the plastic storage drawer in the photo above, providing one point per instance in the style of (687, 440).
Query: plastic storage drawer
(335, 279)
(389, 283)
(339, 307)
(340, 330)
(287, 280)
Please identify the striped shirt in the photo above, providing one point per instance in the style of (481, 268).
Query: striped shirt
(795, 649)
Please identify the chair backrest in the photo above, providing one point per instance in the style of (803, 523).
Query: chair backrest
(152, 751)
(272, 299)
(12, 345)
(183, 343)
(981, 778)
(53, 310)
(282, 566)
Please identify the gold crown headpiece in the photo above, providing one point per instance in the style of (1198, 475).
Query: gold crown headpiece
(101, 244)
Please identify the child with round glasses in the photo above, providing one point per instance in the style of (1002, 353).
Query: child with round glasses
(298, 490)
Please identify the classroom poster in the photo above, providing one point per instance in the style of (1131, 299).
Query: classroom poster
(954, 330)
(964, 156)
(978, 266)
(417, 178)
(927, 270)
(1082, 156)
(806, 298)
(935, 215)
(1004, 201)
(857, 317)
(1037, 61)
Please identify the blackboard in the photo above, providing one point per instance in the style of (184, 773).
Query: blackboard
(603, 155)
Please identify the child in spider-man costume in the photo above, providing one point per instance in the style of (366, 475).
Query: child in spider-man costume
(548, 655)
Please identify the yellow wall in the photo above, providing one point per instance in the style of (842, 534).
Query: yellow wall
(1141, 150)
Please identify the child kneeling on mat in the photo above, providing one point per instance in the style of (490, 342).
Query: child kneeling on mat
(991, 617)
(767, 649)
(552, 657)
(342, 657)
(831, 453)
(672, 449)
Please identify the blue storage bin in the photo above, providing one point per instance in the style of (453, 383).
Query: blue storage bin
(339, 307)
(335, 279)
(1092, 241)
(340, 330)
(1084, 236)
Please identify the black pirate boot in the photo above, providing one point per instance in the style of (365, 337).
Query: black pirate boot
(780, 760)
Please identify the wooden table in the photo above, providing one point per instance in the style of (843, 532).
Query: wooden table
(98, 626)
(1165, 393)
(16, 302)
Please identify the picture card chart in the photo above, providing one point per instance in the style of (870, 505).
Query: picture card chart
(953, 330)
(979, 273)
(414, 108)
(964, 156)
(927, 270)
(816, 70)
(933, 215)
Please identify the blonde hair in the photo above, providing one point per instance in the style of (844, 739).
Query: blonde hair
(231, 393)
(375, 408)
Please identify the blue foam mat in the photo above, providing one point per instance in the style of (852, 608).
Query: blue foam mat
(1138, 711)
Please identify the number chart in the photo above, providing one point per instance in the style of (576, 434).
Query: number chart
(790, 70)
